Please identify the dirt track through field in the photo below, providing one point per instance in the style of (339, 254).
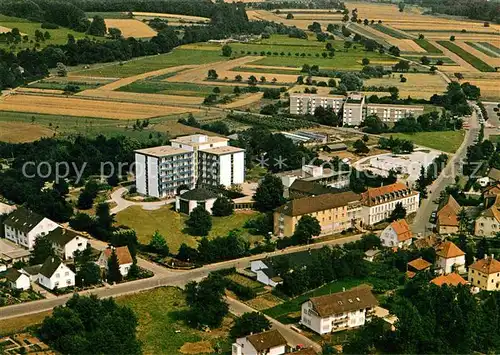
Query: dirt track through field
(6, 29)
(156, 99)
(129, 80)
(131, 28)
(465, 66)
(85, 108)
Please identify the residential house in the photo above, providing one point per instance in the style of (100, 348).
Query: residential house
(33, 272)
(397, 234)
(485, 274)
(335, 213)
(17, 280)
(488, 223)
(55, 274)
(265, 343)
(494, 175)
(447, 217)
(371, 254)
(304, 188)
(23, 226)
(490, 194)
(429, 241)
(450, 258)
(452, 279)
(125, 259)
(6, 209)
(265, 273)
(66, 242)
(417, 265)
(338, 311)
(380, 202)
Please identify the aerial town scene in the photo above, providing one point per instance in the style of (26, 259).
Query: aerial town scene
(249, 177)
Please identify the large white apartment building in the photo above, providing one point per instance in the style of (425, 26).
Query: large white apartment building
(353, 107)
(198, 158)
(379, 202)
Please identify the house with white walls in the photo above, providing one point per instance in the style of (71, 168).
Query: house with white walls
(66, 242)
(339, 311)
(23, 226)
(450, 258)
(269, 343)
(17, 280)
(265, 273)
(125, 259)
(397, 234)
(55, 274)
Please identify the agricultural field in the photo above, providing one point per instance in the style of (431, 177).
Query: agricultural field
(171, 225)
(488, 82)
(447, 141)
(485, 47)
(493, 62)
(418, 85)
(467, 56)
(427, 46)
(171, 17)
(131, 28)
(20, 132)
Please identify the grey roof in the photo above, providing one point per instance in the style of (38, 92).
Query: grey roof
(310, 188)
(494, 174)
(12, 274)
(23, 219)
(32, 270)
(50, 266)
(198, 194)
(62, 236)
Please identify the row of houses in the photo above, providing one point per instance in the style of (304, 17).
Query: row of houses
(353, 108)
(337, 212)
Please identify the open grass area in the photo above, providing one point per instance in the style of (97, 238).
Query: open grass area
(447, 141)
(171, 225)
(267, 70)
(429, 47)
(61, 85)
(285, 312)
(389, 31)
(289, 41)
(18, 324)
(183, 89)
(445, 60)
(485, 47)
(471, 59)
(161, 328)
(146, 64)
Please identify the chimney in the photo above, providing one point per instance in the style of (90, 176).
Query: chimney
(343, 289)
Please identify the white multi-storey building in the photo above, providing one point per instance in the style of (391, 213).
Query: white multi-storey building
(379, 202)
(338, 311)
(303, 104)
(23, 227)
(198, 158)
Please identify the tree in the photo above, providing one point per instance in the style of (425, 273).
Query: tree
(401, 6)
(307, 228)
(399, 212)
(360, 147)
(158, 244)
(227, 50)
(463, 221)
(186, 253)
(97, 27)
(216, 90)
(395, 51)
(85, 200)
(238, 78)
(113, 272)
(421, 183)
(42, 250)
(88, 274)
(199, 221)
(115, 33)
(421, 36)
(366, 138)
(212, 74)
(351, 81)
(61, 70)
(452, 38)
(222, 207)
(249, 323)
(269, 194)
(289, 16)
(365, 61)
(425, 60)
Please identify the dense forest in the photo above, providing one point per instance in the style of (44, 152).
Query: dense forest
(483, 10)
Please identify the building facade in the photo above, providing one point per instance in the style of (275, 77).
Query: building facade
(265, 343)
(198, 158)
(449, 258)
(379, 202)
(125, 260)
(488, 223)
(334, 212)
(54, 274)
(397, 234)
(447, 217)
(66, 242)
(338, 311)
(353, 108)
(485, 274)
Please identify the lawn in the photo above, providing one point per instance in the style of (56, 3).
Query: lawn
(171, 225)
(389, 31)
(178, 56)
(447, 141)
(471, 59)
(494, 139)
(430, 48)
(19, 324)
(281, 312)
(162, 329)
(289, 41)
(183, 89)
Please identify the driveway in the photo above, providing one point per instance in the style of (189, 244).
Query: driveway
(122, 204)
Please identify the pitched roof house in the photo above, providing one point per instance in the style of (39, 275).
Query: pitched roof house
(447, 217)
(397, 234)
(66, 242)
(419, 264)
(55, 274)
(452, 279)
(450, 257)
(125, 259)
(494, 175)
(485, 274)
(338, 311)
(269, 342)
(17, 280)
(488, 223)
(429, 241)
(23, 226)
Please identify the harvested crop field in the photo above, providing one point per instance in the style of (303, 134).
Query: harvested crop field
(494, 62)
(487, 82)
(486, 48)
(417, 85)
(172, 16)
(463, 65)
(131, 28)
(155, 99)
(407, 45)
(20, 132)
(244, 100)
(85, 108)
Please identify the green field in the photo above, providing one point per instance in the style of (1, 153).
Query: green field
(267, 71)
(446, 60)
(289, 41)
(446, 141)
(178, 56)
(183, 89)
(161, 328)
(429, 47)
(286, 312)
(472, 60)
(61, 86)
(58, 36)
(486, 48)
(171, 225)
(390, 31)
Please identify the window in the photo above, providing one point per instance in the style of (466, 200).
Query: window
(58, 276)
(66, 273)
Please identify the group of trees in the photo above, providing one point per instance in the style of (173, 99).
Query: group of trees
(477, 10)
(455, 98)
(429, 174)
(217, 126)
(396, 145)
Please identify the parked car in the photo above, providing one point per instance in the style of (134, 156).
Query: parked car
(433, 217)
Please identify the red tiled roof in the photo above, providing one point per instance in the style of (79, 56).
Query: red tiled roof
(122, 253)
(448, 250)
(452, 279)
(447, 215)
(419, 264)
(377, 195)
(402, 230)
(488, 265)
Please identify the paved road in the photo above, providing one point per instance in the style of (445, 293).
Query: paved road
(165, 278)
(122, 204)
(421, 224)
(292, 337)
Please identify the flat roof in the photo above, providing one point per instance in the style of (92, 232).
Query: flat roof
(395, 106)
(193, 139)
(317, 95)
(162, 151)
(223, 150)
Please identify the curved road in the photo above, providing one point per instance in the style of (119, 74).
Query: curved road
(122, 204)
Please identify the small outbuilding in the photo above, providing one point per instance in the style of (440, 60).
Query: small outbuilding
(187, 201)
(17, 280)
